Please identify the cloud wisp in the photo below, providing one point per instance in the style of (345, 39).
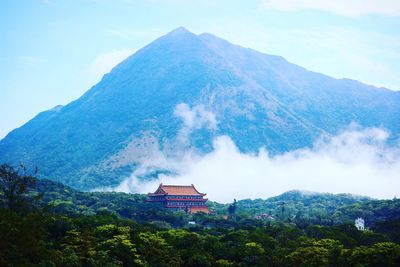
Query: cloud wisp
(355, 161)
(193, 119)
(347, 8)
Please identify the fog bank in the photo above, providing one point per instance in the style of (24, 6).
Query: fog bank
(355, 161)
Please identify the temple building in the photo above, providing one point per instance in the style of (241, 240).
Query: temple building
(180, 197)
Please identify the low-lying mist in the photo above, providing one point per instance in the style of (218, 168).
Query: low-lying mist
(355, 161)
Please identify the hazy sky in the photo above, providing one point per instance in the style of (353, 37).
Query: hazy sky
(52, 51)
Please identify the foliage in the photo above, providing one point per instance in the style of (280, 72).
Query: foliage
(48, 239)
(72, 228)
(309, 208)
(294, 207)
(14, 184)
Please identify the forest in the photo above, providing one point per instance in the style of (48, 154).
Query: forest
(44, 223)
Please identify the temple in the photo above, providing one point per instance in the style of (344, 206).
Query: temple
(180, 197)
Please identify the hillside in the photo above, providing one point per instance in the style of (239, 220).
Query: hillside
(299, 207)
(66, 227)
(179, 93)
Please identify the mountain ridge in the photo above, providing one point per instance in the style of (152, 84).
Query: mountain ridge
(132, 114)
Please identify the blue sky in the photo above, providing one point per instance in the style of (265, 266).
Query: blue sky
(52, 51)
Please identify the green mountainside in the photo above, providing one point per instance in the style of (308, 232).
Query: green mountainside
(142, 109)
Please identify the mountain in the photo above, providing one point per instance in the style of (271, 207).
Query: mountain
(177, 94)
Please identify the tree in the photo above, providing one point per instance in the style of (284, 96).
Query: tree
(14, 184)
(232, 208)
(380, 254)
(322, 252)
(116, 242)
(156, 251)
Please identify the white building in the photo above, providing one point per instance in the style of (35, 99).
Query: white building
(359, 224)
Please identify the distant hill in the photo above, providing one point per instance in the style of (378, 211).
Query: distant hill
(299, 207)
(322, 208)
(178, 93)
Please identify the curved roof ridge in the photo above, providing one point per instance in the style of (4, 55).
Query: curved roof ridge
(179, 189)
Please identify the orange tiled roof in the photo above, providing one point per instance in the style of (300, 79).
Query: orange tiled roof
(199, 209)
(178, 190)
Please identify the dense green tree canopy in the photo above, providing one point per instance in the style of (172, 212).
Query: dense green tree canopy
(72, 228)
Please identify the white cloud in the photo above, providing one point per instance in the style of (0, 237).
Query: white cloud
(356, 161)
(196, 117)
(348, 8)
(103, 63)
(193, 118)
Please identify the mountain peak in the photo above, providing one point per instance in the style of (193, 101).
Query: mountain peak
(179, 31)
(133, 115)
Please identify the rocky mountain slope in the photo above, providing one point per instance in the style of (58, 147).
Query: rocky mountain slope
(177, 94)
